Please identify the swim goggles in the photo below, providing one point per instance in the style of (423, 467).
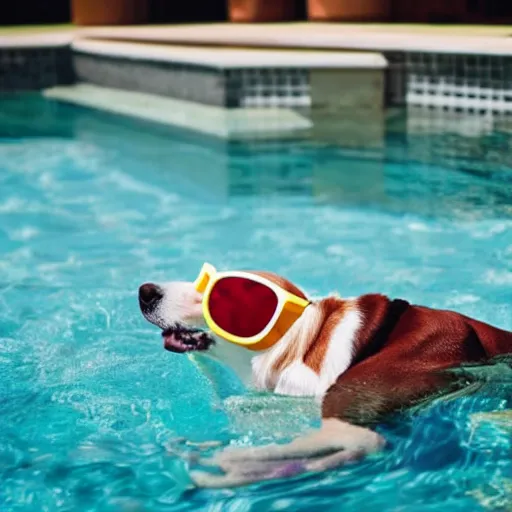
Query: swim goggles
(247, 309)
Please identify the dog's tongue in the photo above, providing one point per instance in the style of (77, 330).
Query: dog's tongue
(181, 340)
(173, 344)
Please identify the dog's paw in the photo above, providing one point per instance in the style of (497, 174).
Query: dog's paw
(335, 444)
(243, 472)
(238, 474)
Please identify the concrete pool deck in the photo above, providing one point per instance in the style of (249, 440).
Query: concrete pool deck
(232, 57)
(334, 36)
(474, 39)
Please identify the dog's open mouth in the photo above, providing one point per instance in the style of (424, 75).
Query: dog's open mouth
(184, 339)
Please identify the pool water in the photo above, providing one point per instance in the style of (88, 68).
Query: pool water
(96, 416)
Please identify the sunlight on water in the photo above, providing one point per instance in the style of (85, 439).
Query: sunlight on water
(97, 416)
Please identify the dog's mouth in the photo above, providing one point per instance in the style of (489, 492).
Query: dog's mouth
(182, 339)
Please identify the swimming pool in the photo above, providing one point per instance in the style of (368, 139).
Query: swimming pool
(94, 410)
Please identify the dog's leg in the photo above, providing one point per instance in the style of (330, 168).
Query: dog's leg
(334, 444)
(334, 435)
(248, 473)
(360, 396)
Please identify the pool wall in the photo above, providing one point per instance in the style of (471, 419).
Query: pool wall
(35, 63)
(454, 73)
(338, 96)
(471, 82)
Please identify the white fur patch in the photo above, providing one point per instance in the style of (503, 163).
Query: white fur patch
(339, 354)
(296, 341)
(297, 379)
(180, 303)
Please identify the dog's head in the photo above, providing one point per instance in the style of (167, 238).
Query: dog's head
(176, 308)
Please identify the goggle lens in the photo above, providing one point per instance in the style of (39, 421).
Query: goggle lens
(241, 306)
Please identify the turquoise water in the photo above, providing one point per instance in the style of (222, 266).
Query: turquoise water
(95, 415)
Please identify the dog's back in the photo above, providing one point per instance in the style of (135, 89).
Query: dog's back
(406, 362)
(495, 341)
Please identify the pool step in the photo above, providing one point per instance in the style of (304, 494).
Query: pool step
(230, 77)
(308, 88)
(229, 124)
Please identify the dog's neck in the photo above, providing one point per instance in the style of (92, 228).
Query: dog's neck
(330, 336)
(313, 353)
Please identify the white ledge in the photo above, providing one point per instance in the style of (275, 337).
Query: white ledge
(320, 36)
(36, 41)
(232, 58)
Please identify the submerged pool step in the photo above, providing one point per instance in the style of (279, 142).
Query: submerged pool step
(237, 123)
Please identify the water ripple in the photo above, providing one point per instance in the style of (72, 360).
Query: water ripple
(94, 411)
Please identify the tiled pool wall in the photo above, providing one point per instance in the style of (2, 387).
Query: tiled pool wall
(479, 83)
(475, 83)
(186, 82)
(251, 87)
(459, 110)
(34, 68)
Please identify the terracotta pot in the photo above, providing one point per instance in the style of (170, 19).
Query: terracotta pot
(350, 10)
(109, 12)
(250, 11)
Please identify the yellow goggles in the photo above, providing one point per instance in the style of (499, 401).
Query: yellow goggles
(245, 308)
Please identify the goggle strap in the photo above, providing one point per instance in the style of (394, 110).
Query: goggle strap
(201, 282)
(295, 307)
(204, 277)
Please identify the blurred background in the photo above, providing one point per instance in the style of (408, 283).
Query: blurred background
(99, 12)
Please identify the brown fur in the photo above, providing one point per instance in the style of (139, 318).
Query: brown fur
(400, 356)
(400, 352)
(405, 363)
(333, 311)
(374, 309)
(280, 281)
(293, 354)
(303, 339)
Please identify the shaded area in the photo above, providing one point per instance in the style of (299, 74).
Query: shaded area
(164, 11)
(35, 12)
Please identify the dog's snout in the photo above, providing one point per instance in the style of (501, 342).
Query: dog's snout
(149, 293)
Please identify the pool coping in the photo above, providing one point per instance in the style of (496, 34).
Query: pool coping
(231, 58)
(320, 36)
(310, 35)
(271, 65)
(46, 40)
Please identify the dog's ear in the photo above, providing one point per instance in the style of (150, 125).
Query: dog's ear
(308, 338)
(281, 281)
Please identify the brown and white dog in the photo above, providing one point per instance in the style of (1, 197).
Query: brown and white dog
(363, 358)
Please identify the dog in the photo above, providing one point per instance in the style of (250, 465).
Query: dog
(363, 358)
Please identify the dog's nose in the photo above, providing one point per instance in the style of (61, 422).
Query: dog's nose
(149, 293)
